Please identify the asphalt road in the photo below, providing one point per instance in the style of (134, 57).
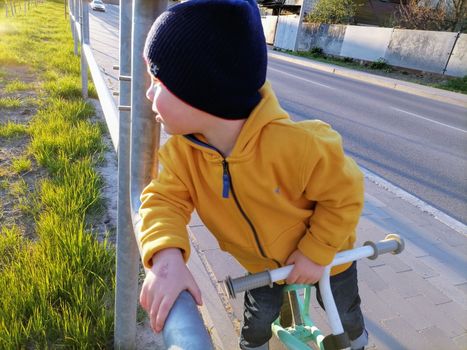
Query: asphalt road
(418, 144)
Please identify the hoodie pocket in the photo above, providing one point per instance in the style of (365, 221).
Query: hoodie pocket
(286, 242)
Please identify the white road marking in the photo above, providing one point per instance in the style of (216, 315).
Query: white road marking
(300, 78)
(430, 120)
(417, 202)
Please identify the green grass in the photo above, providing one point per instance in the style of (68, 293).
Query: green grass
(317, 54)
(16, 86)
(10, 130)
(18, 188)
(4, 184)
(10, 102)
(65, 87)
(60, 134)
(21, 165)
(455, 84)
(380, 64)
(3, 75)
(60, 285)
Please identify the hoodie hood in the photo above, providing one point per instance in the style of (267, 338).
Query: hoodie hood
(268, 110)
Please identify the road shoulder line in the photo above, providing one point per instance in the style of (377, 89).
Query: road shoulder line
(447, 220)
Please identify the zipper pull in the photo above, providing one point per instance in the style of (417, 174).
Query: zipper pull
(225, 180)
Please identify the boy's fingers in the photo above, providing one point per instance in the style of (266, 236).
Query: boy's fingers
(196, 293)
(154, 313)
(292, 278)
(164, 309)
(290, 259)
(302, 279)
(145, 298)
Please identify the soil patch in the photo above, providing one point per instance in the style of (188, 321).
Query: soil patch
(17, 190)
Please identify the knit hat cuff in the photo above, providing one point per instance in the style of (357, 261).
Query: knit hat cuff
(226, 105)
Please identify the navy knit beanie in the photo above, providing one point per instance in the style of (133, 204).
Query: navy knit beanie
(210, 54)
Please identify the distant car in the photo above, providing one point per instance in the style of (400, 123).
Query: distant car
(97, 5)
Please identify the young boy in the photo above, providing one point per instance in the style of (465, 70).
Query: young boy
(273, 192)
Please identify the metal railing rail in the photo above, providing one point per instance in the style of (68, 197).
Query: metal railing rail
(80, 29)
(136, 139)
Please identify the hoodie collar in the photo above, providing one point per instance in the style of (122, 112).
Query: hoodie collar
(267, 110)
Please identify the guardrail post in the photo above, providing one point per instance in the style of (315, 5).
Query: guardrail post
(184, 327)
(145, 134)
(84, 25)
(126, 289)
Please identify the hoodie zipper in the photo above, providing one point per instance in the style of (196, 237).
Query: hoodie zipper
(253, 229)
(227, 186)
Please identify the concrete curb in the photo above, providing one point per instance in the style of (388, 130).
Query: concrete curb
(215, 308)
(411, 88)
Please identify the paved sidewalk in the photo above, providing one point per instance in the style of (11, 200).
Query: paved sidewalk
(415, 300)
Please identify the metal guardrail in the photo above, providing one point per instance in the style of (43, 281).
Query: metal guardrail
(184, 327)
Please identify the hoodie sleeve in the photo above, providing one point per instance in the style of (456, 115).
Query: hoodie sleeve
(335, 183)
(166, 207)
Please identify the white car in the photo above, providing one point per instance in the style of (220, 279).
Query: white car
(97, 5)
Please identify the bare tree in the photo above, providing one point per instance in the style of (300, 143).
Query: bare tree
(446, 15)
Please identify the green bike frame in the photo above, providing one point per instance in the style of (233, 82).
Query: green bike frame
(296, 336)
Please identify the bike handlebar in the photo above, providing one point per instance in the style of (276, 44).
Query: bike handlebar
(392, 243)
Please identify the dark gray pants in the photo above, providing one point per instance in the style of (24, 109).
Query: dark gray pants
(262, 307)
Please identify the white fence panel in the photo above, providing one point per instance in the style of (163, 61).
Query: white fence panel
(458, 63)
(269, 27)
(286, 32)
(366, 43)
(419, 49)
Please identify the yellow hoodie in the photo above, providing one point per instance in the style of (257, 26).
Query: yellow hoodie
(285, 185)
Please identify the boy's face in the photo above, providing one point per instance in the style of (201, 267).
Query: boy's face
(176, 116)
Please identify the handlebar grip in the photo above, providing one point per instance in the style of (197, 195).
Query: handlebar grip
(241, 284)
(392, 243)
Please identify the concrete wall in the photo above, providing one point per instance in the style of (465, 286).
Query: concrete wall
(287, 32)
(327, 36)
(293, 2)
(269, 27)
(362, 43)
(415, 49)
(418, 49)
(457, 65)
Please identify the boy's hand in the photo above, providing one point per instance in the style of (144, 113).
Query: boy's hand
(305, 271)
(163, 283)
